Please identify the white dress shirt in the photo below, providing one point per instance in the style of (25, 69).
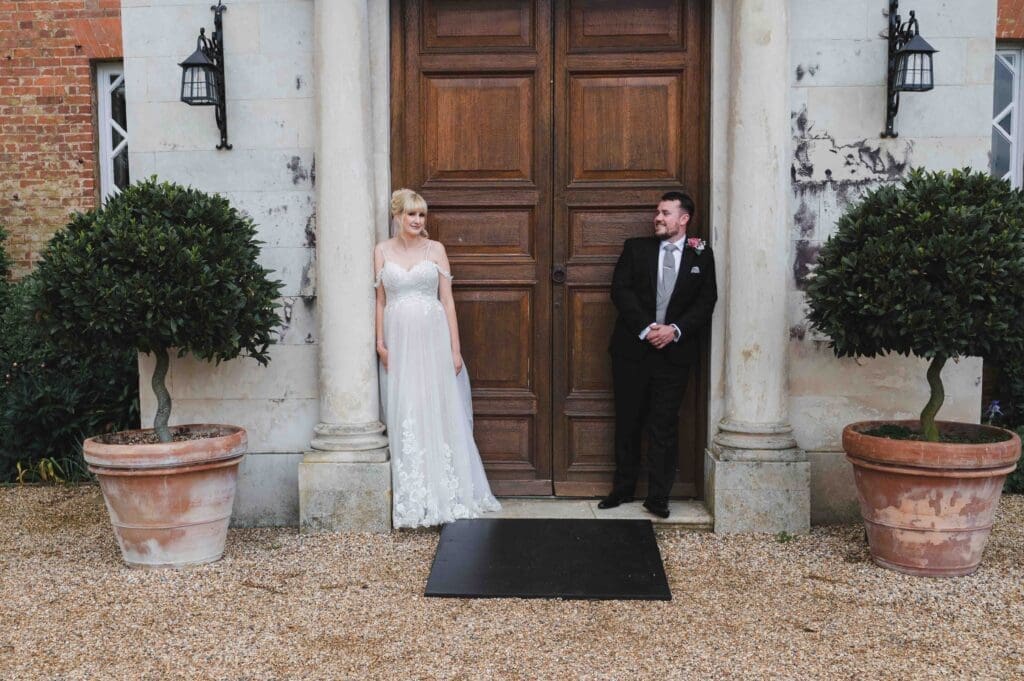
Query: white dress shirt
(679, 243)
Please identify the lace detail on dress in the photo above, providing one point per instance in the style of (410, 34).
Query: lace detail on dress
(414, 505)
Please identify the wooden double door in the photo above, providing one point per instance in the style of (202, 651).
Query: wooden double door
(542, 133)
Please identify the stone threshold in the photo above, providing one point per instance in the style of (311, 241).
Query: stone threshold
(687, 514)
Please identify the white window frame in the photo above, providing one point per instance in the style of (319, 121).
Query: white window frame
(1016, 108)
(106, 124)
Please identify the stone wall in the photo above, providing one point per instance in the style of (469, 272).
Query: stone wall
(270, 174)
(47, 132)
(838, 64)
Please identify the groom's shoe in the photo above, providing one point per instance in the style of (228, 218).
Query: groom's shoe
(613, 500)
(657, 506)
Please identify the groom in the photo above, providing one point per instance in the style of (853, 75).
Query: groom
(664, 289)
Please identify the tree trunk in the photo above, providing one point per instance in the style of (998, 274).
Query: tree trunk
(938, 395)
(163, 397)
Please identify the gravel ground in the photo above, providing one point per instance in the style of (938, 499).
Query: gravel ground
(285, 606)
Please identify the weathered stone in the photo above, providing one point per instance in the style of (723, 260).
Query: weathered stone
(758, 496)
(345, 497)
(833, 495)
(268, 490)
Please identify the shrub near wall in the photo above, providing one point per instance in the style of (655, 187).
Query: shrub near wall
(1008, 411)
(49, 400)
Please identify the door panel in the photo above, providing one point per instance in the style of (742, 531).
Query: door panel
(628, 127)
(471, 130)
(636, 26)
(478, 128)
(624, 128)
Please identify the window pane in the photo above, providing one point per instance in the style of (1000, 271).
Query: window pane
(1000, 155)
(1006, 122)
(117, 111)
(121, 169)
(1003, 87)
(115, 138)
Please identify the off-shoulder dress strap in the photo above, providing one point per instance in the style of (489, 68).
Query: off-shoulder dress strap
(384, 259)
(446, 275)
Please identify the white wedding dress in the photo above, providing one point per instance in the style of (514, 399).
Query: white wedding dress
(436, 472)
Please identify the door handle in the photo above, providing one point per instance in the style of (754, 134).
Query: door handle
(558, 274)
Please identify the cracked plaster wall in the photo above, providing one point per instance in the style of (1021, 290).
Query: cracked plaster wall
(270, 174)
(837, 79)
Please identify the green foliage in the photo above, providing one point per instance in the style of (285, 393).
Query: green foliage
(5, 270)
(1015, 480)
(784, 537)
(51, 399)
(159, 267)
(931, 267)
(1008, 411)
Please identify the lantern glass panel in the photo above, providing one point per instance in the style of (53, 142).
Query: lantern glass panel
(914, 72)
(199, 86)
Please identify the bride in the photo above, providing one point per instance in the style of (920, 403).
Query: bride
(436, 472)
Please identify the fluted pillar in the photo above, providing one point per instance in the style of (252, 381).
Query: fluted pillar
(344, 480)
(758, 480)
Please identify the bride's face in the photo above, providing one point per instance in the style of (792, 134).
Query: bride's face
(413, 223)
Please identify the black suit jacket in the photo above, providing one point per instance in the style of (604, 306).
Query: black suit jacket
(635, 295)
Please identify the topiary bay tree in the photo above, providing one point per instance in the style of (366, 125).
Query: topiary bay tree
(159, 267)
(932, 267)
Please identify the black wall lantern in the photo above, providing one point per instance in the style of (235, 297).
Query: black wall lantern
(202, 74)
(910, 64)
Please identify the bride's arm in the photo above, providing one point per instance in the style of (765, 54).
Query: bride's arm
(449, 306)
(378, 263)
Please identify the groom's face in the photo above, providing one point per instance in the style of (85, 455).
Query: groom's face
(670, 220)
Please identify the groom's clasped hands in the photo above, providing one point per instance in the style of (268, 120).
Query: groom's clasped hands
(660, 335)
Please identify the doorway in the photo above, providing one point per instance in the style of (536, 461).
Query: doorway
(542, 133)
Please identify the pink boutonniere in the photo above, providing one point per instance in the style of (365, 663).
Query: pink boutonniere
(696, 243)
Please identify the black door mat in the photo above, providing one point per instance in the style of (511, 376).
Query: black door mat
(572, 559)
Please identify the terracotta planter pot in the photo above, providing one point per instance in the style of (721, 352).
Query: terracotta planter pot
(170, 503)
(928, 506)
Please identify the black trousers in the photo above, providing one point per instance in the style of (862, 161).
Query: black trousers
(648, 391)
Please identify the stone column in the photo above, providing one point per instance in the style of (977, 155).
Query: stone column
(345, 480)
(757, 478)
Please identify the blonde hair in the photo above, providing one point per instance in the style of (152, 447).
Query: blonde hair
(405, 201)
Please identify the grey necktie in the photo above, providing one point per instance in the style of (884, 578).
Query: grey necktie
(668, 281)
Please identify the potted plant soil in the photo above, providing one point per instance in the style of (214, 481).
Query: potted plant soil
(934, 268)
(162, 268)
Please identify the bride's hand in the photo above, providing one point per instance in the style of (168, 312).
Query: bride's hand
(457, 360)
(382, 352)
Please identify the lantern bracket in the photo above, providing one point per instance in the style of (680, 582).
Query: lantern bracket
(209, 56)
(902, 38)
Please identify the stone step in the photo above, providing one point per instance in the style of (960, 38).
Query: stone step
(687, 514)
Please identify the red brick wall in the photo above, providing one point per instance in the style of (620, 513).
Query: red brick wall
(1011, 20)
(47, 133)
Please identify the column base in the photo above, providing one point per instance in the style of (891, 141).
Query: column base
(758, 495)
(360, 441)
(338, 495)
